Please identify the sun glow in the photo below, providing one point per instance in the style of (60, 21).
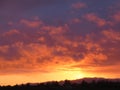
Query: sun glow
(72, 74)
(42, 77)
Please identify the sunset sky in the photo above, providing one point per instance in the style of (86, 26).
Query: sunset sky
(44, 40)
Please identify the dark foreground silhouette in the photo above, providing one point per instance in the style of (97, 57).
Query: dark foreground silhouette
(68, 85)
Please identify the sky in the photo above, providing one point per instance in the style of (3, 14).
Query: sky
(45, 40)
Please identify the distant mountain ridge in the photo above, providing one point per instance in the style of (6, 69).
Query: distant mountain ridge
(87, 79)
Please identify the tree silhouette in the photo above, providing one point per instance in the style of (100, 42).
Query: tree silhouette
(67, 85)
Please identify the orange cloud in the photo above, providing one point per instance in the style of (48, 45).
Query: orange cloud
(11, 32)
(31, 24)
(29, 61)
(4, 48)
(116, 17)
(101, 56)
(74, 21)
(111, 34)
(53, 30)
(94, 18)
(79, 5)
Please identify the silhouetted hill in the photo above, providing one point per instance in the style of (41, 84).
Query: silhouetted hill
(89, 80)
(79, 84)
